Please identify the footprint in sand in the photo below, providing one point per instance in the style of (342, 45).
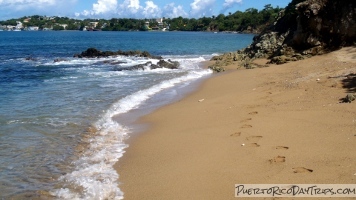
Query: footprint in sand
(253, 113)
(254, 138)
(251, 145)
(302, 170)
(245, 120)
(246, 126)
(282, 147)
(278, 159)
(237, 134)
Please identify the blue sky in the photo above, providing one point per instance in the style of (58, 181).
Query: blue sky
(129, 8)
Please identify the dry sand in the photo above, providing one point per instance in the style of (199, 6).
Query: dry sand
(279, 125)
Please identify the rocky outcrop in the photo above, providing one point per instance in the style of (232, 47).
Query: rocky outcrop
(327, 24)
(217, 68)
(94, 53)
(302, 29)
(166, 64)
(149, 65)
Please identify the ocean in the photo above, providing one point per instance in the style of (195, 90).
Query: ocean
(63, 125)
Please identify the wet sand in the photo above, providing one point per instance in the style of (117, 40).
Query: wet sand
(283, 124)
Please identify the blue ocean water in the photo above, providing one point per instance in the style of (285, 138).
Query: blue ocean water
(60, 128)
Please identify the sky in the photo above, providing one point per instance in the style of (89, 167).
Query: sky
(107, 9)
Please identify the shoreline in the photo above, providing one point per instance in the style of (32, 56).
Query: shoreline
(280, 125)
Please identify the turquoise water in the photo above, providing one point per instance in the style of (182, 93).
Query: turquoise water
(58, 131)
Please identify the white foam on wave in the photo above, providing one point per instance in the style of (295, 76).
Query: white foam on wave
(94, 171)
(89, 61)
(71, 62)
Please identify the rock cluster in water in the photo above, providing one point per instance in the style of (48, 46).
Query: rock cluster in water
(303, 29)
(94, 53)
(149, 65)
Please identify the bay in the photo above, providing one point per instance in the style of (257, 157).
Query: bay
(59, 133)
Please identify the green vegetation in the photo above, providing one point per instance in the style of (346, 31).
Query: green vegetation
(251, 20)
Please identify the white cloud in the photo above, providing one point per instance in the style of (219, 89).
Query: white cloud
(151, 10)
(229, 4)
(133, 4)
(112, 8)
(127, 9)
(20, 8)
(24, 4)
(172, 11)
(104, 6)
(200, 8)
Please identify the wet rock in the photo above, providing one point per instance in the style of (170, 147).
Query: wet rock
(94, 53)
(166, 64)
(31, 58)
(149, 65)
(59, 60)
(135, 67)
(113, 62)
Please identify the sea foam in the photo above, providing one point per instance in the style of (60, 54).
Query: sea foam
(94, 172)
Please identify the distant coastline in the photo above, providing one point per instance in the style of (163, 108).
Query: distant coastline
(249, 21)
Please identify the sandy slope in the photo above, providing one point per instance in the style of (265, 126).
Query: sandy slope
(281, 124)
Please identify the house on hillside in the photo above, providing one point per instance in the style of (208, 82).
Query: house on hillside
(10, 27)
(160, 22)
(93, 25)
(27, 20)
(62, 25)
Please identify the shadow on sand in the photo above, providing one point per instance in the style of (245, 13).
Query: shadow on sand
(349, 83)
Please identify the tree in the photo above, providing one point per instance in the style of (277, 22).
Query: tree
(58, 28)
(238, 21)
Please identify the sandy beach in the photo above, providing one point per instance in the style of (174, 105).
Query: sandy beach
(283, 124)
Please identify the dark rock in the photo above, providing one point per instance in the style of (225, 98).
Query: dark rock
(94, 53)
(217, 69)
(251, 65)
(59, 60)
(349, 98)
(89, 53)
(115, 63)
(135, 67)
(303, 29)
(31, 58)
(164, 64)
(161, 64)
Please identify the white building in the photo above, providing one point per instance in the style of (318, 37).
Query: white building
(64, 26)
(93, 24)
(19, 25)
(33, 28)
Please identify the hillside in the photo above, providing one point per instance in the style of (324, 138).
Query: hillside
(249, 21)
